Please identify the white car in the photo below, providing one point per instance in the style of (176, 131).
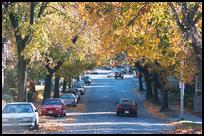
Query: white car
(20, 114)
(111, 74)
(79, 87)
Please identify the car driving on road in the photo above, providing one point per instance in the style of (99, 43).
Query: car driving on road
(126, 107)
(20, 114)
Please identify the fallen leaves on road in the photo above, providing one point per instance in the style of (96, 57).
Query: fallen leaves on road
(80, 108)
(154, 110)
(186, 128)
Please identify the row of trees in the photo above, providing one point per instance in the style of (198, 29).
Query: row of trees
(160, 39)
(51, 40)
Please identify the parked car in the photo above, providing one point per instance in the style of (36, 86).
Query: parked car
(75, 92)
(119, 74)
(82, 83)
(69, 99)
(111, 74)
(87, 80)
(23, 114)
(53, 107)
(126, 106)
(79, 87)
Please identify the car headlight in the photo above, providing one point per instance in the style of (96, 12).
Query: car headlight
(27, 119)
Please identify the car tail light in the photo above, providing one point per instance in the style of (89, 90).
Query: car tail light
(119, 106)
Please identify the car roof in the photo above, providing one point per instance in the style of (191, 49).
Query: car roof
(19, 103)
(67, 94)
(53, 99)
(126, 99)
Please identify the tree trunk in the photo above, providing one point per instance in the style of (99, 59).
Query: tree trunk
(77, 78)
(197, 44)
(69, 83)
(164, 104)
(47, 90)
(149, 94)
(155, 88)
(22, 69)
(140, 82)
(56, 88)
(164, 92)
(64, 85)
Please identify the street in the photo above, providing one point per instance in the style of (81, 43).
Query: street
(99, 115)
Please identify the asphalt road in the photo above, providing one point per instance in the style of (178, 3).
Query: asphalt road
(100, 117)
(100, 114)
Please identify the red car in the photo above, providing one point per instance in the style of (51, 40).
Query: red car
(126, 106)
(53, 107)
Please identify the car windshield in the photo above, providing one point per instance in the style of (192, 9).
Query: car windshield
(18, 108)
(52, 102)
(73, 92)
(67, 97)
(126, 101)
(86, 77)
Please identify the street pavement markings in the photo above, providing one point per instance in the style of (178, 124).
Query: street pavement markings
(89, 113)
(117, 123)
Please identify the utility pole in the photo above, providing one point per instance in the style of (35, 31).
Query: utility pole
(181, 86)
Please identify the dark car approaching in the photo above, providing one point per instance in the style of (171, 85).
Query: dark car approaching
(53, 107)
(119, 74)
(126, 107)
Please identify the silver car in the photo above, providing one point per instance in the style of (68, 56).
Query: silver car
(69, 99)
(20, 114)
(79, 87)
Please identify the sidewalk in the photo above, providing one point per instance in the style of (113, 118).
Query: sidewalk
(188, 117)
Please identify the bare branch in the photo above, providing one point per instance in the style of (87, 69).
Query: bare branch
(61, 13)
(197, 18)
(176, 14)
(42, 8)
(131, 22)
(32, 6)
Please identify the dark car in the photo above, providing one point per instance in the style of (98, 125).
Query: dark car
(126, 107)
(53, 107)
(119, 74)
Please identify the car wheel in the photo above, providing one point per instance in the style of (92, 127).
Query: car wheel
(35, 126)
(74, 105)
(135, 115)
(117, 113)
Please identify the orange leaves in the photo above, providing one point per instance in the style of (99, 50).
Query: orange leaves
(154, 110)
